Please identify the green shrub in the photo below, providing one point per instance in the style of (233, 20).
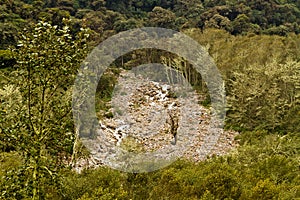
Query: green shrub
(265, 189)
(91, 183)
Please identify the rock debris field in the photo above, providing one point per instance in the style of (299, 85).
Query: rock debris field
(157, 120)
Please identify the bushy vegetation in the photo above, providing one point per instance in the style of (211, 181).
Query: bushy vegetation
(264, 167)
(266, 97)
(255, 45)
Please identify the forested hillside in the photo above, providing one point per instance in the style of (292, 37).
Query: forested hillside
(107, 17)
(255, 45)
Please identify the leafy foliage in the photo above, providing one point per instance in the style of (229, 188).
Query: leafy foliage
(266, 97)
(36, 105)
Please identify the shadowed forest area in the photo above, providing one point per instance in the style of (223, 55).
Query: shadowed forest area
(255, 45)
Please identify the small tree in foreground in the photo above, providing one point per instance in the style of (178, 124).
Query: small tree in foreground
(36, 117)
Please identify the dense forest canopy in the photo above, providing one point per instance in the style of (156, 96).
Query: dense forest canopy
(235, 16)
(106, 17)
